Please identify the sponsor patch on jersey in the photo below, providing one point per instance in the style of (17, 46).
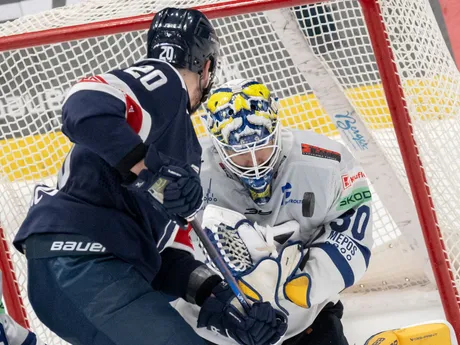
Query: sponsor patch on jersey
(286, 190)
(348, 181)
(357, 197)
(209, 197)
(315, 151)
(253, 210)
(74, 246)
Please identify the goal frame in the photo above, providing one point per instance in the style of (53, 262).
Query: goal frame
(10, 286)
(393, 92)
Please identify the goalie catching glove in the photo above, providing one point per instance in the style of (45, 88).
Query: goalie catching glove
(262, 274)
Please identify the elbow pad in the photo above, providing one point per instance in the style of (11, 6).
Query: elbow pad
(201, 282)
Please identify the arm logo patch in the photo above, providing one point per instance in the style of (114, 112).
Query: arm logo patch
(348, 181)
(315, 151)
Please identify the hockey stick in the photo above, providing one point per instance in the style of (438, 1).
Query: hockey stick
(217, 260)
(158, 189)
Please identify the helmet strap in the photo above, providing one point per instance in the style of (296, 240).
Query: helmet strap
(196, 106)
(204, 91)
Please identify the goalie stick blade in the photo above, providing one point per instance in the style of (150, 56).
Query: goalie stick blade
(308, 204)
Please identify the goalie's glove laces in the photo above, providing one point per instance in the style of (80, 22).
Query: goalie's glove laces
(232, 248)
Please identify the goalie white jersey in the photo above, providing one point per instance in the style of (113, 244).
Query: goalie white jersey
(339, 232)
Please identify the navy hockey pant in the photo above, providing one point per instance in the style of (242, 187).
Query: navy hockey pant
(90, 300)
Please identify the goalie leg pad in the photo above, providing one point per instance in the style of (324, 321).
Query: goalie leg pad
(434, 333)
(383, 338)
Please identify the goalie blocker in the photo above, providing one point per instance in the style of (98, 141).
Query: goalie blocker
(437, 332)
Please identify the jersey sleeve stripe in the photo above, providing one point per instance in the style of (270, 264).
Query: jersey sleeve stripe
(183, 247)
(183, 237)
(31, 339)
(169, 235)
(139, 118)
(366, 253)
(95, 86)
(339, 261)
(64, 172)
(183, 240)
(133, 114)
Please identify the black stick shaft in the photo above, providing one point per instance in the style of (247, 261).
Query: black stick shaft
(217, 259)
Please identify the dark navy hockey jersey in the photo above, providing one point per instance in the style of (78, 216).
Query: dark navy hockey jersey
(107, 117)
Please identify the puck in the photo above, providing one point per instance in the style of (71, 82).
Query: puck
(308, 204)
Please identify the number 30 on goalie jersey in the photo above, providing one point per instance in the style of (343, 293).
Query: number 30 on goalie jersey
(340, 255)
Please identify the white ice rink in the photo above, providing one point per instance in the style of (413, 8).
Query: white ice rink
(366, 315)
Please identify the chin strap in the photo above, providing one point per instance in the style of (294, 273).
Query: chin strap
(207, 90)
(204, 93)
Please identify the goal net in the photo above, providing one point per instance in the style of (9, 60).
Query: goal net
(337, 67)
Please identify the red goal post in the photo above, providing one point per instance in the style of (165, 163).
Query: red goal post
(401, 97)
(416, 175)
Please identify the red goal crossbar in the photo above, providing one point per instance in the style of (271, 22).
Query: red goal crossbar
(394, 96)
(141, 22)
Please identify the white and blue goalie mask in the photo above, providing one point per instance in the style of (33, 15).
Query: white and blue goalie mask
(242, 119)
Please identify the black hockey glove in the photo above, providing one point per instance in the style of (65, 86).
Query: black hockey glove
(175, 187)
(264, 325)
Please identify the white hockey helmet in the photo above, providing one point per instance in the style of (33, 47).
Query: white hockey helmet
(242, 120)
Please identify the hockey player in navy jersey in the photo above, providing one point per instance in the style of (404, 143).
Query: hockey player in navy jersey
(295, 254)
(105, 252)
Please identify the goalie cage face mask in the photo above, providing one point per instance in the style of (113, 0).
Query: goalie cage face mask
(242, 120)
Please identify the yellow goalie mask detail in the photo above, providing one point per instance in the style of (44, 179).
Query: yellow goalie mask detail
(242, 120)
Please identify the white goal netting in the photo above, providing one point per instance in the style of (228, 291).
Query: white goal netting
(325, 47)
